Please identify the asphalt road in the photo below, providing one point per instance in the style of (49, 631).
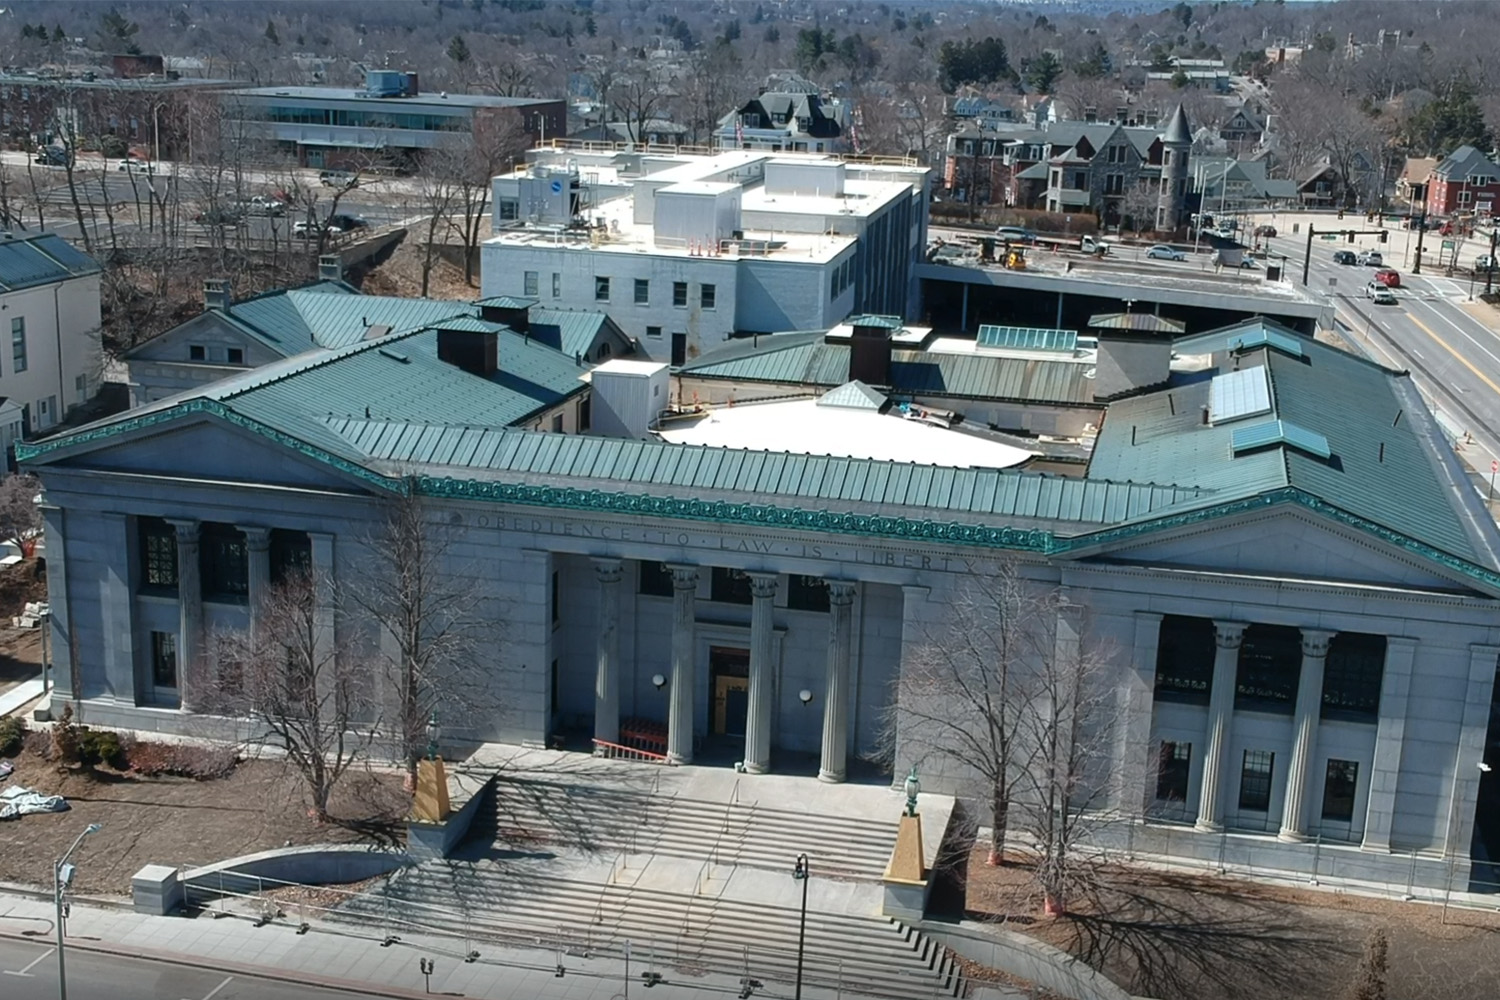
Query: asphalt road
(29, 972)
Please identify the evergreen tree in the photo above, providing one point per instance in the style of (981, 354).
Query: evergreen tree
(458, 50)
(1043, 71)
(271, 35)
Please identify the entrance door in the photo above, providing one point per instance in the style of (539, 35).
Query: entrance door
(679, 350)
(730, 669)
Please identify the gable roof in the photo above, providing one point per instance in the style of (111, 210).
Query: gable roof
(30, 260)
(1463, 161)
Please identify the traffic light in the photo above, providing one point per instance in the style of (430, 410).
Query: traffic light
(1382, 236)
(1349, 236)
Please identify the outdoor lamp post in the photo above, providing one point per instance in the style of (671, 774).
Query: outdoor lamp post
(434, 733)
(658, 681)
(62, 874)
(913, 788)
(800, 873)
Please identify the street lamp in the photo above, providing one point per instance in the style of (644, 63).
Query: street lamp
(913, 787)
(62, 874)
(800, 873)
(434, 733)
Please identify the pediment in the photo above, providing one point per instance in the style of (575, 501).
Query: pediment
(203, 446)
(1288, 542)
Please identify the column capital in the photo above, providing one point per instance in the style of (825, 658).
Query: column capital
(608, 569)
(684, 575)
(840, 592)
(1229, 635)
(187, 528)
(257, 538)
(763, 585)
(1315, 642)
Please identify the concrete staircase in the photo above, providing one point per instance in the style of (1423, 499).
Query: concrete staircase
(610, 821)
(676, 933)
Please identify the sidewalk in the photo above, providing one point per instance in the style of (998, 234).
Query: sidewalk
(342, 958)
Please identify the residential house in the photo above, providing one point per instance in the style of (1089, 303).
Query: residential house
(652, 132)
(1411, 186)
(1243, 130)
(51, 359)
(229, 338)
(778, 121)
(1465, 181)
(1321, 186)
(1225, 183)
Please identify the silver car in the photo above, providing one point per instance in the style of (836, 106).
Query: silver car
(1163, 252)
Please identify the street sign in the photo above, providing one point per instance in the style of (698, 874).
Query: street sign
(1330, 236)
(1495, 465)
(1333, 282)
(1447, 244)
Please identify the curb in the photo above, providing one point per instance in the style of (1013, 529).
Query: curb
(270, 973)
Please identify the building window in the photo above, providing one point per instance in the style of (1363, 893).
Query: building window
(1172, 762)
(653, 332)
(158, 541)
(197, 352)
(730, 586)
(1255, 780)
(1339, 783)
(557, 423)
(236, 355)
(529, 283)
(679, 293)
(81, 387)
(224, 562)
(557, 284)
(18, 344)
(601, 289)
(1184, 659)
(290, 554)
(164, 659)
(656, 579)
(510, 209)
(806, 593)
(642, 292)
(556, 611)
(1352, 675)
(585, 413)
(1269, 667)
(707, 295)
(1114, 184)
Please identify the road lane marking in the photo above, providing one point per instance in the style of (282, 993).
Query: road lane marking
(1461, 359)
(32, 965)
(210, 994)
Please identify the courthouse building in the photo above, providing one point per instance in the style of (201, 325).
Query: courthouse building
(1297, 580)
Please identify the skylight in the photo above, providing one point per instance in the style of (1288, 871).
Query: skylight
(1028, 338)
(1237, 395)
(1275, 433)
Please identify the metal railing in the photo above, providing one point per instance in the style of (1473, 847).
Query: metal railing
(618, 751)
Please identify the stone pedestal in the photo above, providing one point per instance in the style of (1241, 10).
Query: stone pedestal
(156, 890)
(905, 878)
(430, 804)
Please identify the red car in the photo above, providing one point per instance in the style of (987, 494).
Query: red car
(1388, 277)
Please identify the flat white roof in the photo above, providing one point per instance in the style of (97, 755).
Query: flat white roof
(802, 427)
(624, 366)
(699, 187)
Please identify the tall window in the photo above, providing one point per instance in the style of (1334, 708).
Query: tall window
(556, 609)
(806, 593)
(601, 289)
(18, 344)
(1270, 665)
(1184, 659)
(1339, 784)
(731, 586)
(290, 555)
(557, 284)
(1255, 780)
(708, 295)
(656, 579)
(642, 291)
(164, 659)
(158, 548)
(224, 561)
(1172, 765)
(1352, 675)
(679, 293)
(529, 283)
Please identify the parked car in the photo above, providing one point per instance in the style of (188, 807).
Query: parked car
(1090, 244)
(262, 205)
(1016, 234)
(1379, 294)
(1267, 231)
(338, 178)
(1369, 258)
(1163, 252)
(134, 164)
(1486, 262)
(1246, 261)
(54, 156)
(219, 217)
(1343, 257)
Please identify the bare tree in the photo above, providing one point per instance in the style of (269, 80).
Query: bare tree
(438, 188)
(19, 516)
(1139, 206)
(308, 695)
(432, 626)
(499, 138)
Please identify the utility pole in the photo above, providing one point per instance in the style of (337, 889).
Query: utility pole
(1307, 257)
(1416, 267)
(1489, 272)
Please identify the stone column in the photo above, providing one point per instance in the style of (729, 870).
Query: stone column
(1304, 734)
(607, 653)
(258, 547)
(323, 612)
(1135, 780)
(1227, 637)
(836, 697)
(123, 676)
(1390, 733)
(190, 607)
(1470, 752)
(684, 669)
(761, 707)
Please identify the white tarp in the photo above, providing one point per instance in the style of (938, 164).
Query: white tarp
(16, 802)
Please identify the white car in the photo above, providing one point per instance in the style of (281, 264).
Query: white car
(1380, 295)
(1370, 258)
(132, 165)
(1163, 252)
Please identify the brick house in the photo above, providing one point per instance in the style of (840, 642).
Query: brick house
(1465, 181)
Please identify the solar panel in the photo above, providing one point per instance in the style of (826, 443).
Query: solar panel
(1237, 395)
(1028, 338)
(1279, 432)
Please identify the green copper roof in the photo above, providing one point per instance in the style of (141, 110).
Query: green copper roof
(506, 302)
(853, 396)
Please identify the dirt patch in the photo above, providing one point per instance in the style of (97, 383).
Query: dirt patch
(179, 821)
(402, 274)
(1184, 937)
